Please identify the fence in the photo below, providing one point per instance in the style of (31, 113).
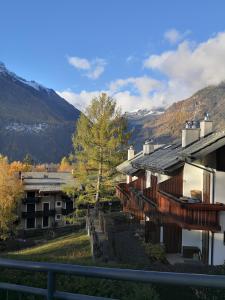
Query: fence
(50, 293)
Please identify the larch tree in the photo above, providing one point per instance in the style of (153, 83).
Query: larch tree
(100, 141)
(11, 191)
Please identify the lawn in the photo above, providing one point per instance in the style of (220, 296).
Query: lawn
(72, 248)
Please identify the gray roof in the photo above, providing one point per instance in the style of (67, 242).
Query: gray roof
(47, 181)
(164, 159)
(205, 145)
(171, 157)
(126, 167)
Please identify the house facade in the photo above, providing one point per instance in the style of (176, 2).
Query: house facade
(45, 203)
(178, 191)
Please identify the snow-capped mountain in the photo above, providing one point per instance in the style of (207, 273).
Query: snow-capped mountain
(33, 119)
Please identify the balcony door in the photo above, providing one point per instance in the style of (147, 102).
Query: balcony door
(45, 220)
(172, 238)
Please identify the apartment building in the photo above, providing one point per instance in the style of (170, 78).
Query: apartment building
(178, 192)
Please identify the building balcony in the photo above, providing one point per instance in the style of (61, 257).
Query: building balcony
(164, 207)
(38, 213)
(29, 200)
(134, 200)
(67, 211)
(199, 216)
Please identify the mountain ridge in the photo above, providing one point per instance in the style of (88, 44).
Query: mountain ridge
(166, 127)
(31, 119)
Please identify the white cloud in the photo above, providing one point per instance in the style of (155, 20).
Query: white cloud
(93, 68)
(131, 94)
(185, 70)
(173, 36)
(79, 63)
(97, 68)
(190, 67)
(144, 85)
(79, 100)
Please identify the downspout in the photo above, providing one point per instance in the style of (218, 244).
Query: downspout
(212, 171)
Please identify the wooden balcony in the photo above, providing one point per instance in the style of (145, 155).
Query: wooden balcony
(165, 207)
(199, 216)
(134, 200)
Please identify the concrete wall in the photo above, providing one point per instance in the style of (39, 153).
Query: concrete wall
(219, 247)
(148, 179)
(162, 177)
(220, 187)
(192, 238)
(192, 179)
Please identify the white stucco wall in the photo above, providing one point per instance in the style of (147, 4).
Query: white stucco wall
(192, 179)
(148, 178)
(162, 177)
(192, 238)
(220, 187)
(219, 247)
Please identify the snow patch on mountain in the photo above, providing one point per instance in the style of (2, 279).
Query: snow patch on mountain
(26, 128)
(5, 72)
(141, 113)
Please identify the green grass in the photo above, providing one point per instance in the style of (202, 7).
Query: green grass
(72, 248)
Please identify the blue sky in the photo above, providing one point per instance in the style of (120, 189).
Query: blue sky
(143, 53)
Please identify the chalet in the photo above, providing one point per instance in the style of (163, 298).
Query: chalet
(178, 192)
(45, 202)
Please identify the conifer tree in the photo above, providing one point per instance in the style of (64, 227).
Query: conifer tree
(99, 142)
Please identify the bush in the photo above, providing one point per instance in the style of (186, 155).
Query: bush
(155, 252)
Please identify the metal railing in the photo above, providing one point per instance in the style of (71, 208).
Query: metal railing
(50, 293)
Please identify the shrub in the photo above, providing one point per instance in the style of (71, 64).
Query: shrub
(155, 252)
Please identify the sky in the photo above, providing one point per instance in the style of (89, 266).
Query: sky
(143, 53)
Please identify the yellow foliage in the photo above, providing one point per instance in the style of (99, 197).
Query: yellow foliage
(18, 166)
(11, 190)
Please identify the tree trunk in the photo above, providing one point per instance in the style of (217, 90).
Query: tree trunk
(98, 183)
(99, 180)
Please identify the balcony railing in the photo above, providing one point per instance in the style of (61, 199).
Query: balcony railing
(192, 216)
(29, 200)
(166, 207)
(50, 293)
(38, 213)
(67, 211)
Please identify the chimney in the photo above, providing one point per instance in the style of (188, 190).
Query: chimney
(206, 126)
(148, 147)
(130, 153)
(190, 134)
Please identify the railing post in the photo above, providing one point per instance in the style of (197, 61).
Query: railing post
(51, 285)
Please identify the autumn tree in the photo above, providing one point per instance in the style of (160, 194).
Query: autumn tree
(11, 190)
(18, 166)
(65, 165)
(99, 142)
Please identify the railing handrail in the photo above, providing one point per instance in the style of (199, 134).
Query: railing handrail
(185, 279)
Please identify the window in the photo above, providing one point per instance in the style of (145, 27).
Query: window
(58, 203)
(45, 221)
(58, 217)
(46, 206)
(30, 194)
(30, 207)
(30, 223)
